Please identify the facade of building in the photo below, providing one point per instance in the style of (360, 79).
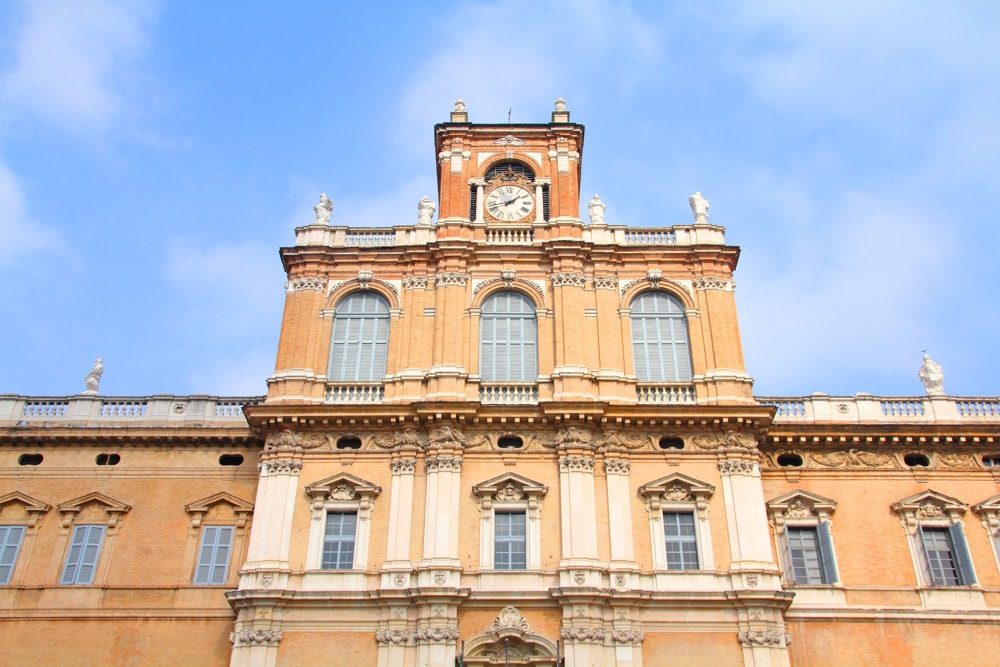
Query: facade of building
(517, 436)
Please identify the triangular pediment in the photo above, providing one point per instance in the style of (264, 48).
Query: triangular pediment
(511, 487)
(929, 498)
(113, 508)
(988, 506)
(798, 500)
(677, 487)
(238, 504)
(30, 504)
(342, 486)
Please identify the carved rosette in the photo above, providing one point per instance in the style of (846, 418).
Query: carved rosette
(414, 282)
(444, 463)
(737, 467)
(576, 463)
(605, 282)
(314, 284)
(583, 634)
(448, 278)
(751, 638)
(391, 637)
(283, 466)
(403, 465)
(568, 279)
(627, 636)
(435, 634)
(509, 617)
(255, 638)
(617, 466)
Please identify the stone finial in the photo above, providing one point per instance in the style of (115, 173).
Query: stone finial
(699, 207)
(324, 209)
(932, 376)
(596, 208)
(560, 114)
(93, 378)
(425, 211)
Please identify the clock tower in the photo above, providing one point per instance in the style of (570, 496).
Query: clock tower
(519, 174)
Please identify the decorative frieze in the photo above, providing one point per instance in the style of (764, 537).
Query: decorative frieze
(573, 437)
(710, 283)
(615, 440)
(435, 634)
(854, 458)
(509, 617)
(342, 492)
(605, 282)
(509, 493)
(414, 282)
(255, 638)
(405, 439)
(627, 636)
(391, 637)
(448, 278)
(444, 463)
(732, 440)
(568, 279)
(617, 466)
(737, 466)
(751, 638)
(283, 466)
(314, 284)
(571, 463)
(403, 466)
(583, 634)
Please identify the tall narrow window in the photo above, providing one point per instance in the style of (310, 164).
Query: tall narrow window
(681, 541)
(84, 550)
(338, 541)
(946, 556)
(660, 338)
(510, 541)
(508, 339)
(10, 544)
(810, 554)
(360, 338)
(213, 557)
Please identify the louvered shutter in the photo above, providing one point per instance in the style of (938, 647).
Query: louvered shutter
(10, 544)
(508, 339)
(963, 561)
(660, 346)
(826, 560)
(84, 550)
(360, 340)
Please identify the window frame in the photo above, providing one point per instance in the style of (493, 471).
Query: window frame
(801, 510)
(678, 345)
(934, 511)
(679, 494)
(510, 493)
(340, 494)
(208, 513)
(377, 343)
(340, 539)
(21, 510)
(527, 350)
(6, 547)
(87, 532)
(211, 564)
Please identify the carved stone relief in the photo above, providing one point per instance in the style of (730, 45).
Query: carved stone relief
(854, 458)
(509, 617)
(568, 463)
(568, 279)
(255, 638)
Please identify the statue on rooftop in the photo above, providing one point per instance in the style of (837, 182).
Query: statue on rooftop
(932, 376)
(425, 210)
(699, 207)
(560, 104)
(324, 209)
(596, 208)
(93, 378)
(459, 106)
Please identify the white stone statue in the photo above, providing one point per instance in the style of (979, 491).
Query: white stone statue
(560, 104)
(932, 376)
(699, 207)
(425, 210)
(596, 208)
(324, 209)
(93, 378)
(459, 106)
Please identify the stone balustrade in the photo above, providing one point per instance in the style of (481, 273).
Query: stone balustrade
(869, 409)
(96, 410)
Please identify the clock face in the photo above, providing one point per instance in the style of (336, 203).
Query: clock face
(509, 202)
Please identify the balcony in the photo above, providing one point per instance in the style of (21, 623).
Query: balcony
(360, 393)
(508, 393)
(665, 394)
(95, 410)
(868, 409)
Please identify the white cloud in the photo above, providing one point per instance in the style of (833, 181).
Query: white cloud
(20, 235)
(74, 60)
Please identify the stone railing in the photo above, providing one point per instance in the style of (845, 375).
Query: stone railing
(96, 410)
(341, 394)
(869, 409)
(495, 234)
(508, 394)
(665, 394)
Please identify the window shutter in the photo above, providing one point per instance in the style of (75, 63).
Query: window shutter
(213, 559)
(963, 561)
(10, 544)
(360, 340)
(826, 560)
(83, 553)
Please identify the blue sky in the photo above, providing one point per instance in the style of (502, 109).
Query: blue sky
(155, 155)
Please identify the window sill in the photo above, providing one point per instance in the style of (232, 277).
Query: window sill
(951, 597)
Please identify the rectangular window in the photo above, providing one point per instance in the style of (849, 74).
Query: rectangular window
(946, 556)
(681, 542)
(10, 544)
(338, 540)
(810, 554)
(213, 557)
(510, 541)
(84, 550)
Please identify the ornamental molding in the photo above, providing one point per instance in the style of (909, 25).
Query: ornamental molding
(627, 636)
(510, 488)
(854, 458)
(676, 488)
(509, 617)
(510, 282)
(617, 466)
(255, 638)
(655, 282)
(311, 283)
(727, 440)
(583, 634)
(391, 637)
(282, 466)
(614, 439)
(800, 505)
(737, 467)
(444, 464)
(364, 281)
(292, 441)
(435, 634)
(704, 283)
(572, 437)
(605, 282)
(509, 140)
(576, 463)
(764, 638)
(415, 282)
(32, 506)
(405, 439)
(114, 509)
(243, 509)
(446, 437)
(568, 279)
(929, 506)
(448, 278)
(400, 466)
(957, 461)
(343, 487)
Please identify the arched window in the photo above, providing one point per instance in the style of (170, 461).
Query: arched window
(660, 338)
(360, 338)
(508, 339)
